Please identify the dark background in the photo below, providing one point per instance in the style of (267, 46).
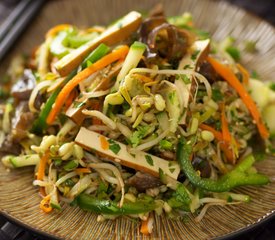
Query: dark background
(265, 231)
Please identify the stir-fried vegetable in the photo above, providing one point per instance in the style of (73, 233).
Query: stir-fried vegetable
(137, 118)
(105, 61)
(239, 176)
(229, 76)
(95, 205)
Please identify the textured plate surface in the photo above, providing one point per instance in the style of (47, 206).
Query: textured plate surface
(19, 199)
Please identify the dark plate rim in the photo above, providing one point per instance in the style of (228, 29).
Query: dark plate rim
(33, 230)
(248, 228)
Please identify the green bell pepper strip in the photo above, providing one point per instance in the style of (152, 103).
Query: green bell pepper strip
(92, 204)
(40, 124)
(71, 165)
(237, 177)
(180, 198)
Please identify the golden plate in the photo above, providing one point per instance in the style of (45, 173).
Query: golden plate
(19, 200)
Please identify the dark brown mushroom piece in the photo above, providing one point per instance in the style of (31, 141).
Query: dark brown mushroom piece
(208, 72)
(9, 146)
(22, 89)
(142, 181)
(203, 166)
(163, 39)
(147, 26)
(22, 121)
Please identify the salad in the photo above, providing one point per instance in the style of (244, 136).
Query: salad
(146, 116)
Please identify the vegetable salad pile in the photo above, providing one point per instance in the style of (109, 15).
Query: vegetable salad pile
(146, 115)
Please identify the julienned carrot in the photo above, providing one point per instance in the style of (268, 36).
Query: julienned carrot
(54, 30)
(225, 130)
(228, 151)
(41, 171)
(230, 77)
(82, 170)
(225, 146)
(42, 166)
(70, 99)
(144, 227)
(244, 73)
(218, 135)
(115, 55)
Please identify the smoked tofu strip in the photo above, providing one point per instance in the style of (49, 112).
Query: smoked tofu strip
(116, 151)
(113, 35)
(191, 60)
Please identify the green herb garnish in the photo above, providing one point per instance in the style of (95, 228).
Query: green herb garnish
(113, 146)
(149, 160)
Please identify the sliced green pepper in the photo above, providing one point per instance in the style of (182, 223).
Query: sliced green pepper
(239, 176)
(71, 165)
(40, 124)
(180, 198)
(92, 204)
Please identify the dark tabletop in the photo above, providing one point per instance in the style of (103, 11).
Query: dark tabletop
(265, 231)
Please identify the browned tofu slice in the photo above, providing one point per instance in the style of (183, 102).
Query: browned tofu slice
(114, 34)
(117, 151)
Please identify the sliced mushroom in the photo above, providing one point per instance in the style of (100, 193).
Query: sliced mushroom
(22, 89)
(9, 146)
(163, 39)
(114, 34)
(142, 181)
(22, 121)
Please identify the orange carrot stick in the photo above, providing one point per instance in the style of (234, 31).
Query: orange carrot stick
(225, 146)
(41, 171)
(144, 227)
(218, 135)
(225, 130)
(70, 99)
(42, 166)
(82, 170)
(117, 54)
(228, 152)
(233, 81)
